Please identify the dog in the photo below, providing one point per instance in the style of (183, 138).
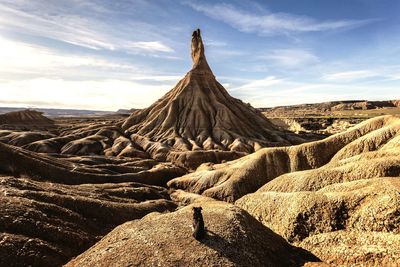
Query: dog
(199, 230)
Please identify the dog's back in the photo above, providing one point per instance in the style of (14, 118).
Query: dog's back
(198, 223)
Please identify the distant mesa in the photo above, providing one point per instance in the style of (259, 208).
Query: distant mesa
(199, 114)
(332, 108)
(126, 111)
(25, 117)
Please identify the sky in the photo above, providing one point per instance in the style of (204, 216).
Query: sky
(122, 54)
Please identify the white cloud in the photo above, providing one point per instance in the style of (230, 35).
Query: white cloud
(50, 21)
(291, 58)
(214, 43)
(21, 58)
(152, 46)
(349, 75)
(260, 84)
(270, 23)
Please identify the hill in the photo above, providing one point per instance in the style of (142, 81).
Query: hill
(199, 114)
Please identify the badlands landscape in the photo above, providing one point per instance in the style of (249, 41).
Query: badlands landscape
(116, 190)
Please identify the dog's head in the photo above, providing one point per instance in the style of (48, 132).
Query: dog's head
(197, 210)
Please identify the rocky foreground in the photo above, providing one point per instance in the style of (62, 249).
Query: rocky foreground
(46, 224)
(338, 198)
(234, 238)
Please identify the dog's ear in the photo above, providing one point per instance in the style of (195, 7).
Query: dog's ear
(200, 208)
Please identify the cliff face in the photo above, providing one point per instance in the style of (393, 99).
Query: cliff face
(199, 114)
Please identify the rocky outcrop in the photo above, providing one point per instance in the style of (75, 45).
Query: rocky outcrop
(20, 162)
(46, 224)
(362, 205)
(17, 138)
(233, 238)
(344, 223)
(355, 248)
(316, 127)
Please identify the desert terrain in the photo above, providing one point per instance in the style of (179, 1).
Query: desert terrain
(329, 117)
(312, 185)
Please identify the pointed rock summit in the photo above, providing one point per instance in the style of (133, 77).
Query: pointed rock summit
(199, 114)
(200, 64)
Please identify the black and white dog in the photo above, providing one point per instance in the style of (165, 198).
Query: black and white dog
(199, 230)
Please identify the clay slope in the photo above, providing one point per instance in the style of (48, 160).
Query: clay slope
(20, 162)
(338, 197)
(102, 137)
(234, 238)
(199, 114)
(367, 150)
(25, 118)
(46, 224)
(363, 213)
(363, 205)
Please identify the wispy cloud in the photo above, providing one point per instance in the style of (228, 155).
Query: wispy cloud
(291, 58)
(51, 21)
(270, 23)
(348, 76)
(260, 84)
(21, 58)
(214, 43)
(152, 46)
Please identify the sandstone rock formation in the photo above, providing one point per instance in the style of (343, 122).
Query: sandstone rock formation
(362, 205)
(57, 203)
(19, 162)
(233, 238)
(199, 114)
(345, 187)
(359, 220)
(368, 150)
(316, 126)
(355, 248)
(46, 224)
(17, 138)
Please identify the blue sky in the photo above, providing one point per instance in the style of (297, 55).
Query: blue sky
(100, 54)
